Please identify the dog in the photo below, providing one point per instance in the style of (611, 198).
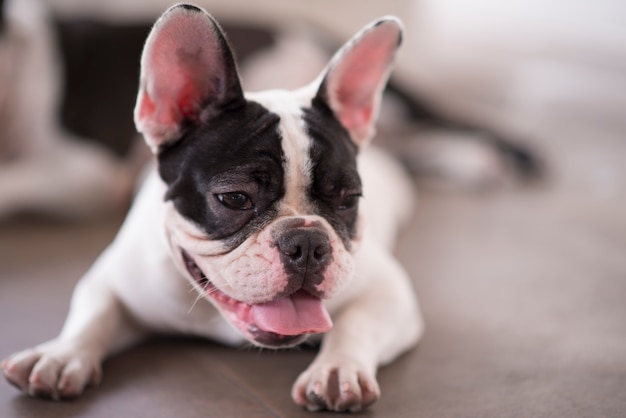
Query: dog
(269, 204)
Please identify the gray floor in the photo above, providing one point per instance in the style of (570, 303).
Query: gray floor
(523, 292)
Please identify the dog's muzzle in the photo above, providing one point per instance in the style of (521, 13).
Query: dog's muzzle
(305, 254)
(282, 322)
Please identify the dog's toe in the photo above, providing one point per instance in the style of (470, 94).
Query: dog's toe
(43, 378)
(338, 388)
(18, 367)
(357, 390)
(77, 375)
(54, 370)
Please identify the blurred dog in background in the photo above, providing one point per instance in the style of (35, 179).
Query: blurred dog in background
(44, 167)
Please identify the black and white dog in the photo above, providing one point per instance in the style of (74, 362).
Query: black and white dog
(256, 203)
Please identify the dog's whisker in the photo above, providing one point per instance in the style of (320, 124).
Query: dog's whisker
(211, 291)
(205, 285)
(195, 302)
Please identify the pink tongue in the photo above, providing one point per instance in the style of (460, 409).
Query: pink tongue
(299, 313)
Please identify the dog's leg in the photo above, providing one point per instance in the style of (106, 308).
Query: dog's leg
(96, 325)
(102, 318)
(381, 322)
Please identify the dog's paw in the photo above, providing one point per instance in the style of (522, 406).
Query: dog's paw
(340, 386)
(56, 370)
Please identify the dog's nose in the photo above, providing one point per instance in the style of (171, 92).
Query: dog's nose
(305, 250)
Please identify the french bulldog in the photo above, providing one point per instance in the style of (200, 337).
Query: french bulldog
(270, 205)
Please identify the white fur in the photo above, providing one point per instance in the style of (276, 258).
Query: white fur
(288, 106)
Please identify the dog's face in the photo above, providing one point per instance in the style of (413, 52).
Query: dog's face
(263, 214)
(262, 189)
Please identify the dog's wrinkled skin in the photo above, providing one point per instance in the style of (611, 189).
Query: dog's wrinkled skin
(254, 203)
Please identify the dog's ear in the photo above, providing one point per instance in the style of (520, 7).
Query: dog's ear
(353, 83)
(188, 75)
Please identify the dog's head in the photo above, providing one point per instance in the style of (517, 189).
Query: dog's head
(262, 189)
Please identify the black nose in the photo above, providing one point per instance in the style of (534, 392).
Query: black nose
(304, 250)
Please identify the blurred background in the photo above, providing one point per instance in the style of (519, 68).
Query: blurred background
(548, 75)
(552, 72)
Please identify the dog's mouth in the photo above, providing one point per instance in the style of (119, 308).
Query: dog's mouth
(283, 322)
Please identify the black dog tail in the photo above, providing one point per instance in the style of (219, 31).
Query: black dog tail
(517, 155)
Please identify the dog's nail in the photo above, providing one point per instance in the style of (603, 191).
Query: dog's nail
(32, 391)
(355, 408)
(317, 388)
(34, 379)
(313, 407)
(62, 386)
(315, 396)
(346, 388)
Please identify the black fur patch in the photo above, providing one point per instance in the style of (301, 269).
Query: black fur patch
(336, 186)
(238, 151)
(190, 7)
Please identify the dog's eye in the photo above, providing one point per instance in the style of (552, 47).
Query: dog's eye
(235, 200)
(349, 202)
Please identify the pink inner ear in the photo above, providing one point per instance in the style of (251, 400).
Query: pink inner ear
(357, 81)
(186, 106)
(146, 106)
(181, 64)
(178, 72)
(189, 100)
(353, 116)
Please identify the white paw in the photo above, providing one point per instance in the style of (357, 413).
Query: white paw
(57, 370)
(337, 386)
